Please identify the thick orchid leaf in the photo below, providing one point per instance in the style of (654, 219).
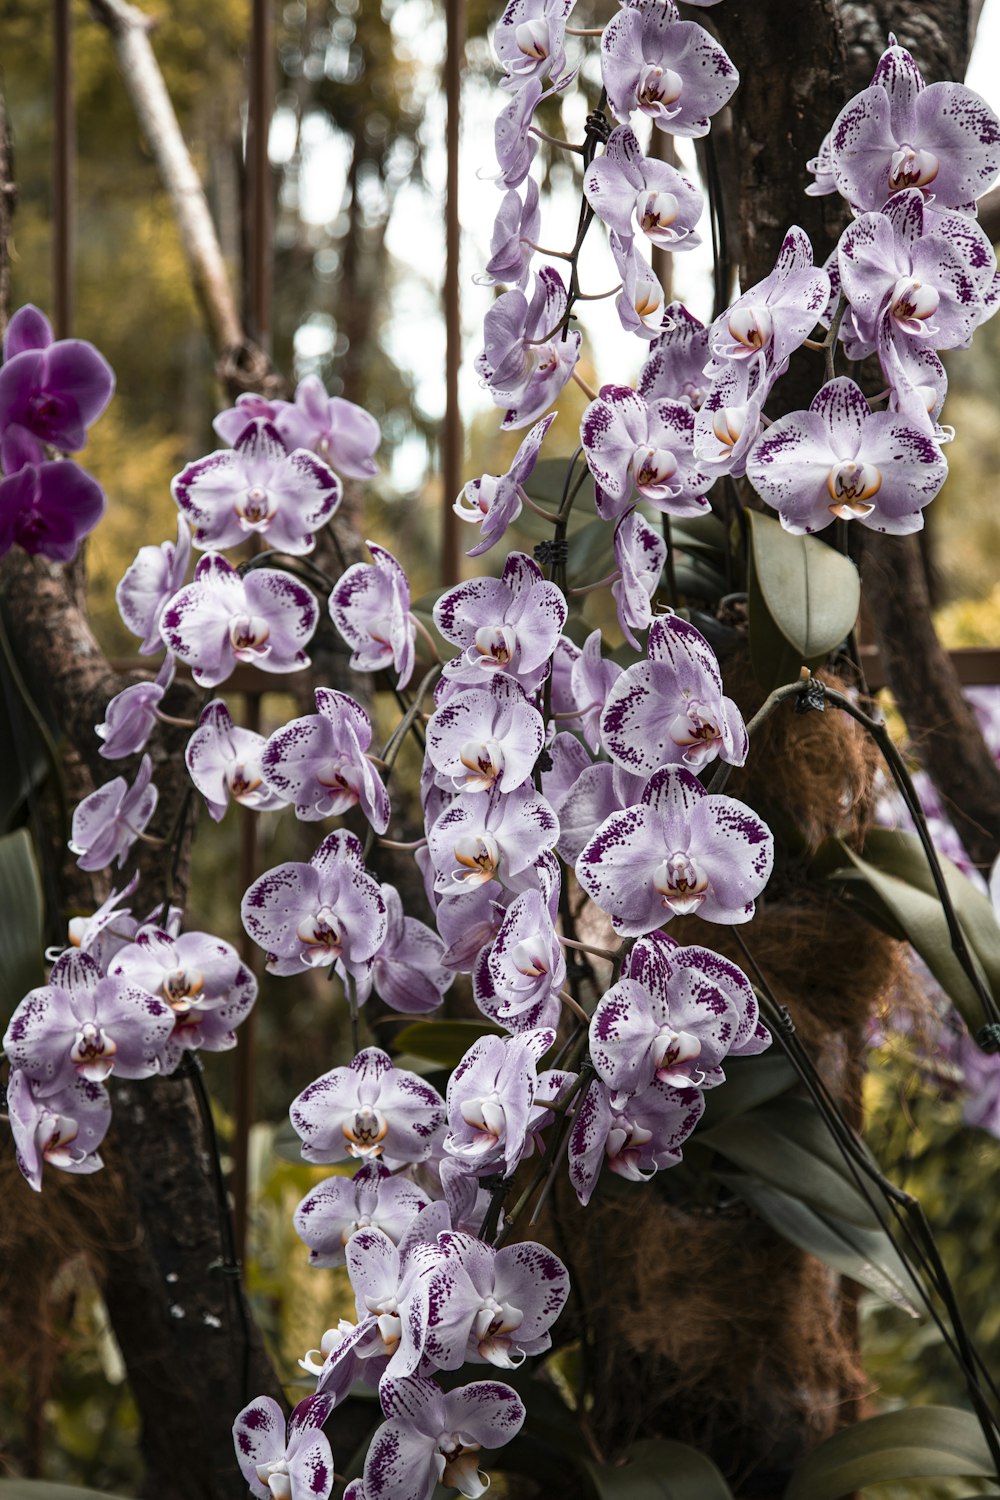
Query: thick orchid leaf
(548, 480)
(697, 579)
(803, 590)
(865, 1255)
(917, 1442)
(657, 1469)
(906, 910)
(788, 1145)
(21, 941)
(444, 1043)
(750, 1081)
(591, 552)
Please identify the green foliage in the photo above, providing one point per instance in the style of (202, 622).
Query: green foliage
(912, 1443)
(659, 1470)
(804, 599)
(892, 884)
(21, 922)
(444, 1043)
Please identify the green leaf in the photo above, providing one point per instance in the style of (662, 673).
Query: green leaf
(803, 599)
(917, 1442)
(21, 957)
(548, 480)
(787, 1144)
(658, 1469)
(750, 1081)
(442, 1042)
(904, 909)
(865, 1255)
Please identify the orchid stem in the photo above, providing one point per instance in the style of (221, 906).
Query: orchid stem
(567, 999)
(422, 629)
(587, 390)
(554, 140)
(608, 953)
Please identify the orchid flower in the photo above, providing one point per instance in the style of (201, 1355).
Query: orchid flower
(493, 501)
(370, 606)
(276, 1466)
(487, 836)
(341, 433)
(372, 1199)
(636, 1138)
(669, 69)
(46, 509)
(149, 583)
(631, 445)
(626, 188)
(525, 362)
(50, 391)
(107, 823)
(486, 737)
(130, 716)
(369, 1110)
(432, 1437)
(640, 553)
(490, 1097)
(320, 764)
(224, 760)
(508, 624)
(59, 1126)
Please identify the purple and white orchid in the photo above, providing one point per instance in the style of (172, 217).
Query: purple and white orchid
(61, 1126)
(276, 1466)
(372, 1199)
(841, 460)
(257, 488)
(494, 501)
(107, 823)
(369, 1110)
(329, 911)
(491, 1098)
(635, 446)
(341, 433)
(485, 737)
(319, 762)
(627, 189)
(149, 583)
(525, 360)
(491, 1306)
(680, 850)
(264, 618)
(670, 709)
(370, 606)
(432, 1437)
(508, 624)
(640, 553)
(486, 836)
(777, 315)
(669, 69)
(131, 715)
(636, 1138)
(224, 761)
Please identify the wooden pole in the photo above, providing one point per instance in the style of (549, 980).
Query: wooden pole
(63, 152)
(452, 444)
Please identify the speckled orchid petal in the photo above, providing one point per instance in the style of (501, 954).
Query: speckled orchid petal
(510, 623)
(486, 737)
(224, 761)
(487, 836)
(493, 501)
(669, 69)
(368, 1110)
(370, 606)
(777, 315)
(58, 1127)
(408, 971)
(490, 1097)
(640, 553)
(678, 851)
(524, 361)
(634, 1141)
(841, 460)
(373, 1198)
(432, 1437)
(318, 762)
(329, 911)
(257, 488)
(265, 618)
(670, 710)
(675, 365)
(276, 1466)
(632, 192)
(529, 40)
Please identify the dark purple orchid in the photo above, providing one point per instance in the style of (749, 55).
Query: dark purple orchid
(408, 972)
(674, 1016)
(47, 508)
(50, 392)
(525, 360)
(492, 1306)
(840, 459)
(432, 1437)
(369, 1110)
(679, 851)
(276, 1466)
(493, 502)
(131, 715)
(640, 553)
(675, 365)
(329, 911)
(263, 618)
(257, 488)
(515, 232)
(912, 275)
(508, 624)
(627, 189)
(370, 606)
(343, 434)
(487, 836)
(669, 69)
(149, 583)
(319, 763)
(491, 1095)
(372, 1199)
(632, 445)
(897, 134)
(107, 823)
(670, 710)
(529, 40)
(224, 761)
(777, 315)
(84, 1024)
(201, 978)
(60, 1126)
(485, 737)
(636, 1140)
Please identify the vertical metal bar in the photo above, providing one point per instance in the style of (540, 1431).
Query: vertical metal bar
(63, 152)
(259, 171)
(245, 1045)
(452, 446)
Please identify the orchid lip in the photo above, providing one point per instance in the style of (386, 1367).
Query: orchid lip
(912, 168)
(653, 469)
(728, 424)
(682, 884)
(753, 327)
(529, 959)
(496, 645)
(249, 633)
(181, 987)
(321, 932)
(243, 782)
(656, 210)
(93, 1052)
(461, 1466)
(532, 38)
(479, 855)
(54, 1136)
(658, 87)
(255, 509)
(913, 302)
(366, 1131)
(484, 762)
(485, 1115)
(851, 486)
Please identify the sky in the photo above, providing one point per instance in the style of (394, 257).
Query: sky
(416, 233)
